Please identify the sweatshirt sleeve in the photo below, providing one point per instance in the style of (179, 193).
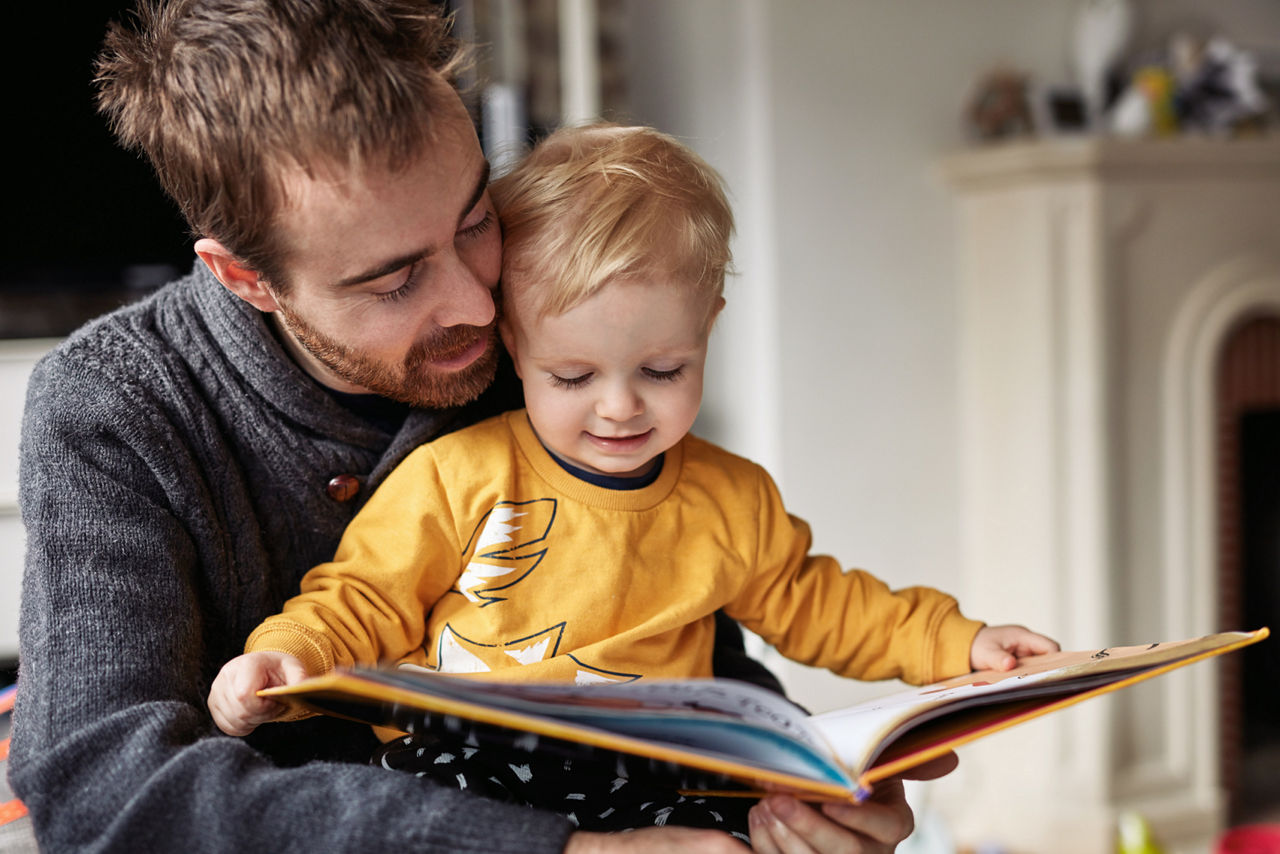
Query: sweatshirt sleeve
(369, 604)
(849, 622)
(113, 749)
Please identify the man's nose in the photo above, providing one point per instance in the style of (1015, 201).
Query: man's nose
(462, 297)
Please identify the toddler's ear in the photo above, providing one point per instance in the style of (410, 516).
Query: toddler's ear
(509, 341)
(715, 312)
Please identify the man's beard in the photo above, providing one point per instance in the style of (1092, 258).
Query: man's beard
(415, 381)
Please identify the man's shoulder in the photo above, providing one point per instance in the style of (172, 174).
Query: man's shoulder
(139, 352)
(116, 339)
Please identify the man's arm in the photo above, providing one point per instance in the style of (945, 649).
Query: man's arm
(113, 749)
(729, 658)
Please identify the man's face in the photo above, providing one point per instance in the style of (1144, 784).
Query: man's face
(391, 275)
(616, 380)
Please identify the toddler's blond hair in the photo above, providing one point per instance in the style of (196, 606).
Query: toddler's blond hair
(605, 203)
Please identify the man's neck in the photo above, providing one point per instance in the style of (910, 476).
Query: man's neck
(383, 412)
(304, 359)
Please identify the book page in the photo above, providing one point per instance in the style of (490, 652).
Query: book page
(858, 733)
(716, 698)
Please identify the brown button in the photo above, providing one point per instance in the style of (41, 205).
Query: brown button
(343, 487)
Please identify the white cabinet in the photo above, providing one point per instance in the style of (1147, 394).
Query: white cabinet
(16, 360)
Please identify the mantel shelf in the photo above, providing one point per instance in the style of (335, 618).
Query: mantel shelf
(1097, 158)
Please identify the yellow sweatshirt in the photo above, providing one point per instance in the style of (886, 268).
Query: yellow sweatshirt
(481, 554)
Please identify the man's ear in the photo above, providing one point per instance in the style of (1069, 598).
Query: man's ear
(235, 276)
(509, 341)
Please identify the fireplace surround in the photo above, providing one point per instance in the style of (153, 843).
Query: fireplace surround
(1099, 281)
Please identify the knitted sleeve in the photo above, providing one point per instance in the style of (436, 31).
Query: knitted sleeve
(113, 749)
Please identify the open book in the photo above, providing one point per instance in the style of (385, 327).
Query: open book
(733, 731)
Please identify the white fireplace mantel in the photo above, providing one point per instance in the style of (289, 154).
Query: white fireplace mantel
(1097, 280)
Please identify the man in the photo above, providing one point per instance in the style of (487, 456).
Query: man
(186, 460)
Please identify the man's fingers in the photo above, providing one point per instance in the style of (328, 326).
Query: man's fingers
(784, 825)
(882, 821)
(655, 840)
(770, 833)
(931, 770)
(759, 821)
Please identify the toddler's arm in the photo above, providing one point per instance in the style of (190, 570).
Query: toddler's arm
(233, 700)
(1000, 647)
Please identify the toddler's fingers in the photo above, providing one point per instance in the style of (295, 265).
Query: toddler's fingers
(1041, 645)
(994, 658)
(292, 671)
(229, 717)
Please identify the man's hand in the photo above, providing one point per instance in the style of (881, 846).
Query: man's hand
(1000, 647)
(233, 700)
(781, 824)
(655, 840)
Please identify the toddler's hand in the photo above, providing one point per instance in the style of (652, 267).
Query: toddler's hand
(1000, 647)
(233, 700)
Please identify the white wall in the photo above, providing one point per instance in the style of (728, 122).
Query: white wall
(835, 362)
(834, 113)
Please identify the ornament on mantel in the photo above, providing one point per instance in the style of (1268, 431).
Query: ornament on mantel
(1205, 86)
(1102, 30)
(999, 107)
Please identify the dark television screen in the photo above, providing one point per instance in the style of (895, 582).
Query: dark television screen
(88, 225)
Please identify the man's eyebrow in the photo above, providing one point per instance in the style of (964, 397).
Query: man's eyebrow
(400, 262)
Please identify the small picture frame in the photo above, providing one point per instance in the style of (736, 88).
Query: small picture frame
(1059, 111)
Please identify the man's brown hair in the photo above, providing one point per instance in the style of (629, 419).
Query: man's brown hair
(224, 95)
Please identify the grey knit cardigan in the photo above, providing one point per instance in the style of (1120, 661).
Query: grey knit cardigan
(174, 463)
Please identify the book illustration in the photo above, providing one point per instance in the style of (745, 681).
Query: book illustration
(731, 730)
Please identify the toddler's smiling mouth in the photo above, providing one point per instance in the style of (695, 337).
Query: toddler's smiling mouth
(620, 442)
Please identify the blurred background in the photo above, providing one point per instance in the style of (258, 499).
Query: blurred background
(995, 261)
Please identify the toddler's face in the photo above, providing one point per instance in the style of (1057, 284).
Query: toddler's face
(616, 380)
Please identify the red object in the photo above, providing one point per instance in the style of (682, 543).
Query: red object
(11, 811)
(343, 487)
(1250, 839)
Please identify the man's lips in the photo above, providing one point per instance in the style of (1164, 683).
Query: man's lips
(620, 444)
(459, 359)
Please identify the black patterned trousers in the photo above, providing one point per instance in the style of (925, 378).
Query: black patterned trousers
(595, 789)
